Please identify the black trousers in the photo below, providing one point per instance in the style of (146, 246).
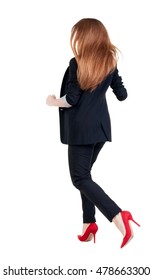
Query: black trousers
(81, 159)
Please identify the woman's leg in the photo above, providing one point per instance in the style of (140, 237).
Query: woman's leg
(87, 206)
(81, 159)
(88, 209)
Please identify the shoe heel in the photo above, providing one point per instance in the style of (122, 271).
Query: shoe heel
(131, 218)
(135, 222)
(94, 237)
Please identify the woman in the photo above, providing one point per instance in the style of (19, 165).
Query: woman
(85, 121)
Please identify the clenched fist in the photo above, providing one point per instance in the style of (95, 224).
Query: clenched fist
(50, 100)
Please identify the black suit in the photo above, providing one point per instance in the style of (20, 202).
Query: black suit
(85, 127)
(88, 120)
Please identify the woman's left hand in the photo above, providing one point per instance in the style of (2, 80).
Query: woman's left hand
(50, 99)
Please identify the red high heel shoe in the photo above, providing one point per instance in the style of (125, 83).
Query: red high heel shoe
(126, 217)
(91, 229)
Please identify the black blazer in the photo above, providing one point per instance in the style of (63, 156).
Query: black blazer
(88, 120)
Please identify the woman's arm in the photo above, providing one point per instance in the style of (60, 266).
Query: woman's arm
(118, 87)
(59, 102)
(72, 92)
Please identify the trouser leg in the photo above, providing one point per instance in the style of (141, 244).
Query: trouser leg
(88, 209)
(87, 206)
(81, 159)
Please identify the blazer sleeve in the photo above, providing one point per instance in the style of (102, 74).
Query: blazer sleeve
(73, 90)
(118, 87)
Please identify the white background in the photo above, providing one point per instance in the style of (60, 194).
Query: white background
(40, 213)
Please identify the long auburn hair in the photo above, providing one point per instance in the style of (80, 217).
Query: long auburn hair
(96, 56)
